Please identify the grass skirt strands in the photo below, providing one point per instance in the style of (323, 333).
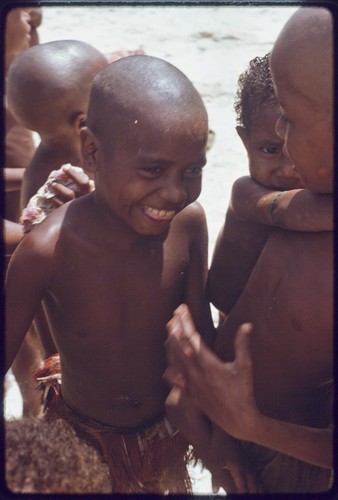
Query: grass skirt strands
(149, 460)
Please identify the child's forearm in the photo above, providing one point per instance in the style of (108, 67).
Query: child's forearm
(294, 210)
(185, 416)
(302, 210)
(309, 444)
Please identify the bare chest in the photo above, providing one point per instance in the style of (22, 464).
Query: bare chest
(118, 291)
(289, 301)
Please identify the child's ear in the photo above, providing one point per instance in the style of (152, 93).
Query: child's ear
(89, 150)
(79, 122)
(243, 134)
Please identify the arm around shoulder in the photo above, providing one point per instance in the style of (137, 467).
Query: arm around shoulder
(294, 210)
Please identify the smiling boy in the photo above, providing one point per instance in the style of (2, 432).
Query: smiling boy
(112, 266)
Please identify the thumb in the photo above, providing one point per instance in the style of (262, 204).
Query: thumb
(242, 344)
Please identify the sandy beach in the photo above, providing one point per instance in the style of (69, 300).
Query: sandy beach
(212, 46)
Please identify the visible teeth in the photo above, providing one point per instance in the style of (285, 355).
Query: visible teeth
(160, 214)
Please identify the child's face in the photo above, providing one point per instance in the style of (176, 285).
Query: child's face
(267, 163)
(306, 129)
(152, 178)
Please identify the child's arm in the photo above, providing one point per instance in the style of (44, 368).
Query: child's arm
(27, 277)
(224, 392)
(236, 252)
(13, 178)
(295, 210)
(195, 294)
(253, 213)
(12, 235)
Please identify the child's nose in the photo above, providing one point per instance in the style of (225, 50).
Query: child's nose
(286, 171)
(173, 192)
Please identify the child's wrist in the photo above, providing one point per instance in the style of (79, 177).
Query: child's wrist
(274, 205)
(253, 427)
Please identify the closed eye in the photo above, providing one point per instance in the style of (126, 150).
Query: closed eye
(151, 172)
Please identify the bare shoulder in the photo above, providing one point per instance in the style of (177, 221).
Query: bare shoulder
(192, 217)
(43, 236)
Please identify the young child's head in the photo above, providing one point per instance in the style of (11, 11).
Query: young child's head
(302, 70)
(48, 88)
(257, 112)
(145, 142)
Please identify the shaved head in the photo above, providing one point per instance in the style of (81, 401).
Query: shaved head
(303, 54)
(301, 65)
(52, 79)
(136, 90)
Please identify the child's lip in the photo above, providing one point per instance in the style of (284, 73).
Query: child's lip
(159, 214)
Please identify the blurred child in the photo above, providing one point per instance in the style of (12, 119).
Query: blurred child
(112, 266)
(54, 77)
(20, 33)
(47, 91)
(276, 398)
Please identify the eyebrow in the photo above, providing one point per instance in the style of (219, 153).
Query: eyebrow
(150, 159)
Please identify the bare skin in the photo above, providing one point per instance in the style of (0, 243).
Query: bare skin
(240, 413)
(137, 258)
(59, 130)
(248, 223)
(276, 395)
(67, 65)
(20, 34)
(273, 196)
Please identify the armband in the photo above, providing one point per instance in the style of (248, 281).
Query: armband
(274, 203)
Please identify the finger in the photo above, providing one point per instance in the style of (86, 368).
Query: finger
(175, 329)
(183, 313)
(174, 378)
(187, 328)
(189, 350)
(242, 344)
(56, 201)
(81, 179)
(63, 192)
(178, 351)
(173, 326)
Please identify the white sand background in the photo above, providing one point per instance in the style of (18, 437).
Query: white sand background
(212, 46)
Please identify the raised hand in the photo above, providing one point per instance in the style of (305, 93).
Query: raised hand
(223, 391)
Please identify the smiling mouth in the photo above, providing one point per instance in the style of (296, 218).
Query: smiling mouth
(159, 214)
